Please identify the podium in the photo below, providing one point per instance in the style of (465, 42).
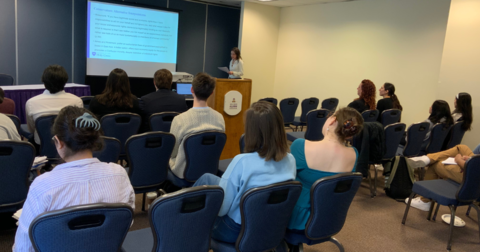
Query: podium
(234, 124)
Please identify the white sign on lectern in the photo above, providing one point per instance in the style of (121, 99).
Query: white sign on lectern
(233, 103)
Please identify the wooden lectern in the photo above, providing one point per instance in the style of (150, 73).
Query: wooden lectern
(234, 125)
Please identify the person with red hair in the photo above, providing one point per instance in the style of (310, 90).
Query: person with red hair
(366, 100)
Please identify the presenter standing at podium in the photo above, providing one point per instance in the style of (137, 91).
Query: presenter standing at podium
(236, 64)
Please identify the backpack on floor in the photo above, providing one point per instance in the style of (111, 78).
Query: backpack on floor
(399, 178)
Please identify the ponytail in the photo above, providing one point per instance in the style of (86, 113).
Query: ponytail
(391, 92)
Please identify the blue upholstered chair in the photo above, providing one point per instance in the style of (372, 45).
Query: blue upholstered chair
(202, 154)
(315, 121)
(330, 104)
(265, 213)
(456, 135)
(86, 101)
(449, 193)
(111, 150)
(288, 107)
(16, 159)
(6, 80)
(307, 105)
(121, 126)
(95, 227)
(179, 221)
(330, 199)
(43, 126)
(391, 116)
(370, 115)
(270, 99)
(162, 121)
(18, 125)
(148, 155)
(415, 135)
(437, 137)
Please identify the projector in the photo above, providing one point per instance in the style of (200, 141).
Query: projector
(182, 77)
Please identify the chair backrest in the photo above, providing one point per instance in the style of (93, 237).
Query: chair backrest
(270, 99)
(330, 199)
(288, 107)
(265, 215)
(86, 101)
(370, 115)
(393, 136)
(202, 153)
(16, 121)
(6, 80)
(241, 143)
(187, 215)
(308, 105)
(121, 126)
(162, 121)
(149, 154)
(16, 159)
(437, 137)
(43, 126)
(470, 188)
(330, 104)
(315, 121)
(415, 135)
(95, 227)
(456, 135)
(111, 150)
(391, 116)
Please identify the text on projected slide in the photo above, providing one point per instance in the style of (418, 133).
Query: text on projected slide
(131, 33)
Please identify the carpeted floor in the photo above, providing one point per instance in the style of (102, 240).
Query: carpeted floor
(372, 225)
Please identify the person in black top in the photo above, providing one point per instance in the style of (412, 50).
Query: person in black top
(366, 101)
(162, 100)
(389, 101)
(463, 110)
(116, 97)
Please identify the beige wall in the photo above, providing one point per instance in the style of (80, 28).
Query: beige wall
(460, 69)
(325, 50)
(258, 42)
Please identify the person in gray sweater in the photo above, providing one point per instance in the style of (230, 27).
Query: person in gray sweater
(197, 119)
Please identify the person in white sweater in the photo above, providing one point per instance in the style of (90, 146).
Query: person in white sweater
(197, 119)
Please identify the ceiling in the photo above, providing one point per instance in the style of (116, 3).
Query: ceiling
(278, 3)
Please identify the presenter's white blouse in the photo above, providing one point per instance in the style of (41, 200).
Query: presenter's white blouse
(237, 69)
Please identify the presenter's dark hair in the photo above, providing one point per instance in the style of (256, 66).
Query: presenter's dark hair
(117, 90)
(391, 92)
(441, 109)
(163, 79)
(203, 86)
(464, 106)
(368, 93)
(2, 95)
(237, 52)
(75, 138)
(265, 132)
(54, 77)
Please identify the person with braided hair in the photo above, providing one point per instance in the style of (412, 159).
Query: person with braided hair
(328, 157)
(366, 97)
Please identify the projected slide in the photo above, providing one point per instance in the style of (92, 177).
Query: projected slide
(137, 39)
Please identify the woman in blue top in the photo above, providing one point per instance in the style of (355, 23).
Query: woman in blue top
(328, 157)
(266, 161)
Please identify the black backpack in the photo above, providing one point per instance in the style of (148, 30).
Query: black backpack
(399, 178)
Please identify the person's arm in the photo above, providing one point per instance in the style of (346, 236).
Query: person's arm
(238, 73)
(461, 160)
(477, 150)
(30, 120)
(79, 103)
(230, 182)
(177, 131)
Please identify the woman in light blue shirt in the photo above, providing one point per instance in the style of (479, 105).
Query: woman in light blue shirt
(331, 156)
(265, 162)
(236, 64)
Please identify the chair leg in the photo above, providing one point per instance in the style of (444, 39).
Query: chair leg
(300, 247)
(339, 245)
(468, 210)
(478, 215)
(452, 225)
(421, 173)
(372, 194)
(436, 212)
(430, 212)
(407, 208)
(375, 181)
(143, 202)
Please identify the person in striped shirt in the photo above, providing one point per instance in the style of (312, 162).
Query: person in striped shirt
(81, 180)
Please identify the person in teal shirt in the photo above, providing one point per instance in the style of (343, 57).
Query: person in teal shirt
(331, 156)
(265, 162)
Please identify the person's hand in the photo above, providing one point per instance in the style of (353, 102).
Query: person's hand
(231, 73)
(466, 158)
(459, 158)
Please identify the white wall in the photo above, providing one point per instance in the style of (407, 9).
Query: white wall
(325, 50)
(258, 40)
(460, 68)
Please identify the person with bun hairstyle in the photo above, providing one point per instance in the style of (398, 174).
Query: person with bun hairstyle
(389, 101)
(81, 180)
(463, 110)
(366, 100)
(328, 157)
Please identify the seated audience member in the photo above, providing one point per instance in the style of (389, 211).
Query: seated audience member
(8, 130)
(436, 169)
(328, 157)
(197, 119)
(53, 99)
(266, 161)
(116, 97)
(162, 100)
(81, 180)
(463, 110)
(477, 150)
(7, 105)
(366, 97)
(389, 101)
